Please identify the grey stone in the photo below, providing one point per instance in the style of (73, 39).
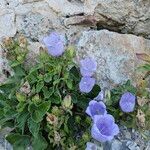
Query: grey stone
(38, 21)
(121, 16)
(7, 23)
(132, 145)
(2, 4)
(64, 7)
(29, 1)
(116, 145)
(114, 53)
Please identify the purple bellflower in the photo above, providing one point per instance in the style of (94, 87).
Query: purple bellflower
(86, 84)
(88, 67)
(96, 108)
(127, 102)
(104, 128)
(100, 96)
(54, 44)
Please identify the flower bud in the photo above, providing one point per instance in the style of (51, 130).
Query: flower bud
(86, 137)
(70, 52)
(77, 119)
(36, 99)
(20, 97)
(56, 111)
(67, 104)
(57, 137)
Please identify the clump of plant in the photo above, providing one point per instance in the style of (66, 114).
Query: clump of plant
(43, 104)
(127, 104)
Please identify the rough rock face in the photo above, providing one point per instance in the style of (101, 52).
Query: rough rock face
(115, 54)
(36, 18)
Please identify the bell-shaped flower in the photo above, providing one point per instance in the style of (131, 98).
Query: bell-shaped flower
(104, 128)
(96, 108)
(88, 66)
(127, 102)
(54, 44)
(86, 84)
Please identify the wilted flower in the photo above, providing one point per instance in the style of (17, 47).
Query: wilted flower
(127, 102)
(88, 67)
(22, 41)
(141, 118)
(25, 88)
(86, 84)
(54, 44)
(57, 137)
(104, 128)
(96, 108)
(8, 41)
(91, 146)
(52, 119)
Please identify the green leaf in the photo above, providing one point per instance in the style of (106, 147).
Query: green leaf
(1, 113)
(19, 142)
(39, 86)
(22, 119)
(33, 127)
(20, 97)
(75, 74)
(20, 107)
(69, 84)
(15, 63)
(46, 92)
(47, 78)
(38, 111)
(19, 71)
(56, 98)
(39, 143)
(145, 67)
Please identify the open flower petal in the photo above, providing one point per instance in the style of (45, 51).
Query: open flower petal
(88, 66)
(104, 128)
(86, 84)
(54, 44)
(96, 108)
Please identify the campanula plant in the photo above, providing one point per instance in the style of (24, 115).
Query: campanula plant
(43, 103)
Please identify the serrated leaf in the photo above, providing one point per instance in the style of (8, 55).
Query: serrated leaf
(39, 86)
(33, 127)
(46, 92)
(20, 97)
(38, 111)
(20, 107)
(56, 98)
(19, 142)
(22, 119)
(39, 143)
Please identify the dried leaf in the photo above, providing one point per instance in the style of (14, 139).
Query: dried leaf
(141, 101)
(141, 118)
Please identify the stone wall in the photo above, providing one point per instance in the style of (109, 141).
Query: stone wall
(91, 25)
